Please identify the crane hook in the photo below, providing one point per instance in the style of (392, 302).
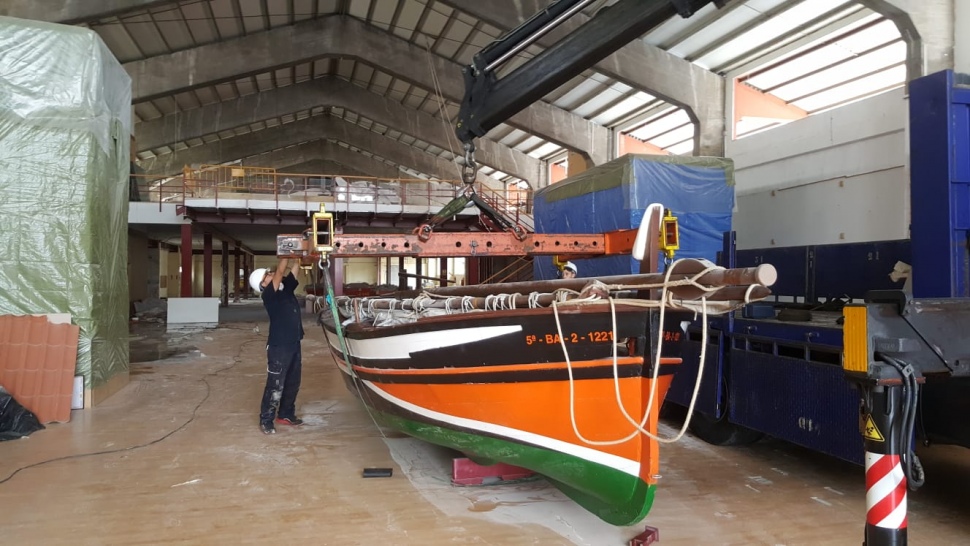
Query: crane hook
(470, 169)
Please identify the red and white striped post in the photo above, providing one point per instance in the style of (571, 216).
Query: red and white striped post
(886, 519)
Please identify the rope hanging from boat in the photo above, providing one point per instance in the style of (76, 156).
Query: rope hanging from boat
(325, 267)
(722, 293)
(639, 425)
(338, 326)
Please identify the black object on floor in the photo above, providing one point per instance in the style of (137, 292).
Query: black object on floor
(378, 472)
(16, 421)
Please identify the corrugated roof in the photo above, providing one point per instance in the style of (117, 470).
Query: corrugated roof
(737, 40)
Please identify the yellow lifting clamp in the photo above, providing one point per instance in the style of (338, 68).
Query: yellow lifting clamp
(559, 263)
(318, 240)
(669, 235)
(323, 231)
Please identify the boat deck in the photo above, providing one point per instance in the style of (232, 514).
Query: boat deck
(218, 480)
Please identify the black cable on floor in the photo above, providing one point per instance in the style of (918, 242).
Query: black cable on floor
(208, 390)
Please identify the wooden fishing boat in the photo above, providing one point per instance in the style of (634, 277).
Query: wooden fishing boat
(560, 380)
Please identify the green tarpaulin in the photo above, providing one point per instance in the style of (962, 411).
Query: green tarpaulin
(65, 125)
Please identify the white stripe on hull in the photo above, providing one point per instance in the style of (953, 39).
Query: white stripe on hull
(627, 466)
(399, 347)
(619, 463)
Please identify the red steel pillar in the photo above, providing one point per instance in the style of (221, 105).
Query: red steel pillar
(186, 254)
(338, 276)
(472, 271)
(402, 280)
(207, 265)
(224, 290)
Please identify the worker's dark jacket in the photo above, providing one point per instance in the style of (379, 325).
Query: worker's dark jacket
(285, 321)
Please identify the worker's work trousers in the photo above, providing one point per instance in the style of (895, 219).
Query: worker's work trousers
(284, 367)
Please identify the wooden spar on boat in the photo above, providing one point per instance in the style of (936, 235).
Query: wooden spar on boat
(456, 303)
(764, 275)
(720, 285)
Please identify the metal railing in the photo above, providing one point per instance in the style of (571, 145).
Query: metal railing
(157, 189)
(343, 193)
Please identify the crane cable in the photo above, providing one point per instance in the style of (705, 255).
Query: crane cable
(441, 105)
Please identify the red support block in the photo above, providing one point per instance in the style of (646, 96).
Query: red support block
(648, 536)
(466, 472)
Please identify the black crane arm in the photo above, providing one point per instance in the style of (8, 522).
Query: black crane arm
(489, 101)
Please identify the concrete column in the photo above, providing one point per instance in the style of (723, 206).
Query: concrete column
(154, 270)
(224, 293)
(186, 252)
(402, 281)
(235, 273)
(961, 46)
(138, 275)
(247, 269)
(207, 265)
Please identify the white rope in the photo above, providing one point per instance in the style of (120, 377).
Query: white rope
(747, 294)
(638, 426)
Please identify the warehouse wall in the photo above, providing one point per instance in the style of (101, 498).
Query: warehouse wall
(198, 271)
(360, 270)
(834, 177)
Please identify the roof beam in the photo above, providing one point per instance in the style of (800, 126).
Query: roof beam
(344, 37)
(318, 150)
(329, 91)
(306, 130)
(638, 64)
(70, 12)
(325, 166)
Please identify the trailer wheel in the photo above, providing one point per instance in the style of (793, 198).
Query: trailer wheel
(721, 432)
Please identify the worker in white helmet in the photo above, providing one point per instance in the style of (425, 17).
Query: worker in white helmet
(284, 357)
(569, 270)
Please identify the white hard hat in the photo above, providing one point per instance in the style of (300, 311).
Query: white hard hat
(256, 279)
(570, 266)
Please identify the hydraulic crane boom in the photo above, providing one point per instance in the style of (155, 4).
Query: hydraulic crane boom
(489, 101)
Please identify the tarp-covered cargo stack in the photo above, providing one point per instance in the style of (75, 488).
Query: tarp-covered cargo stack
(699, 191)
(65, 125)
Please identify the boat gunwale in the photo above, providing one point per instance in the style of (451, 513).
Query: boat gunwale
(357, 329)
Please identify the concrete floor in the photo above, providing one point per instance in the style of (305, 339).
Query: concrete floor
(176, 457)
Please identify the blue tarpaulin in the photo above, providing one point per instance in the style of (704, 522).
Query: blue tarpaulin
(612, 196)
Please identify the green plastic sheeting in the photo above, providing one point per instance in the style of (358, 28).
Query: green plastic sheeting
(65, 125)
(622, 171)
